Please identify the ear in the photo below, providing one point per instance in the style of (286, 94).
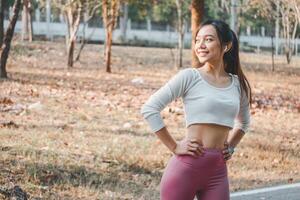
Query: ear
(228, 47)
(225, 49)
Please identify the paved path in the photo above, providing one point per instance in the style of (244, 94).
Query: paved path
(282, 192)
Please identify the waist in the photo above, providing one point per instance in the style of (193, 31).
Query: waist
(211, 136)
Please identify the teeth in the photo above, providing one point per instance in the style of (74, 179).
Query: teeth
(202, 51)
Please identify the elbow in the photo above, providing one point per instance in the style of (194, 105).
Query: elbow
(243, 125)
(143, 110)
(153, 117)
(147, 111)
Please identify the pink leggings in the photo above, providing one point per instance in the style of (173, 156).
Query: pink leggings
(204, 177)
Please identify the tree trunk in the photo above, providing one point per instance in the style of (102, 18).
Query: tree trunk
(26, 21)
(272, 42)
(83, 42)
(123, 21)
(234, 19)
(197, 10)
(290, 33)
(180, 34)
(277, 27)
(108, 42)
(71, 52)
(30, 26)
(110, 10)
(24, 35)
(288, 55)
(73, 21)
(87, 18)
(8, 37)
(1, 21)
(289, 22)
(48, 19)
(180, 50)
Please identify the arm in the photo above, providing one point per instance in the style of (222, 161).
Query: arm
(234, 137)
(174, 88)
(242, 120)
(241, 125)
(190, 147)
(167, 139)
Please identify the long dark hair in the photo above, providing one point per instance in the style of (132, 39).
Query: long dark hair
(231, 58)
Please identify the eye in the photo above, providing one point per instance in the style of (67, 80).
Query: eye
(208, 39)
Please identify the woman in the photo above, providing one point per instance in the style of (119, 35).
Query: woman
(216, 101)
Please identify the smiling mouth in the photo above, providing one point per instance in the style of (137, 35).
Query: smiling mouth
(202, 53)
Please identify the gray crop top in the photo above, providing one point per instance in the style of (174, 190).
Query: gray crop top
(202, 102)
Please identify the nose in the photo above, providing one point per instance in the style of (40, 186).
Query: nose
(202, 44)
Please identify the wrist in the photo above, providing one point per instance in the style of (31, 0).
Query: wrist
(231, 144)
(231, 149)
(173, 148)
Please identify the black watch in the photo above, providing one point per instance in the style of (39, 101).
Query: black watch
(231, 150)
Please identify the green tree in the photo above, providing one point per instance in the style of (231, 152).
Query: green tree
(217, 9)
(163, 11)
(139, 10)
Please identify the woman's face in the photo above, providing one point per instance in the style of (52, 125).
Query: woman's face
(207, 46)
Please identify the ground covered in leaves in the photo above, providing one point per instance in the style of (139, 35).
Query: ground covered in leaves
(78, 133)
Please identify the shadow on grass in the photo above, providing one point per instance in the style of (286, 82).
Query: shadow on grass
(129, 132)
(84, 82)
(51, 174)
(47, 79)
(70, 128)
(116, 176)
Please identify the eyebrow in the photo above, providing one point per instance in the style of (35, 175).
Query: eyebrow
(205, 36)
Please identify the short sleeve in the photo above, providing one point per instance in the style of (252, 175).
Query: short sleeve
(176, 87)
(242, 120)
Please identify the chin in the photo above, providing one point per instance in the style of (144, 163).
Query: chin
(202, 59)
(206, 59)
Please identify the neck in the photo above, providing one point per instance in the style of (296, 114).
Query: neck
(215, 68)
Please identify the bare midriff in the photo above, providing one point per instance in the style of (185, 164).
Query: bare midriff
(209, 135)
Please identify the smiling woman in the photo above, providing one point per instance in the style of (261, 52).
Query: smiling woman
(207, 45)
(216, 101)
